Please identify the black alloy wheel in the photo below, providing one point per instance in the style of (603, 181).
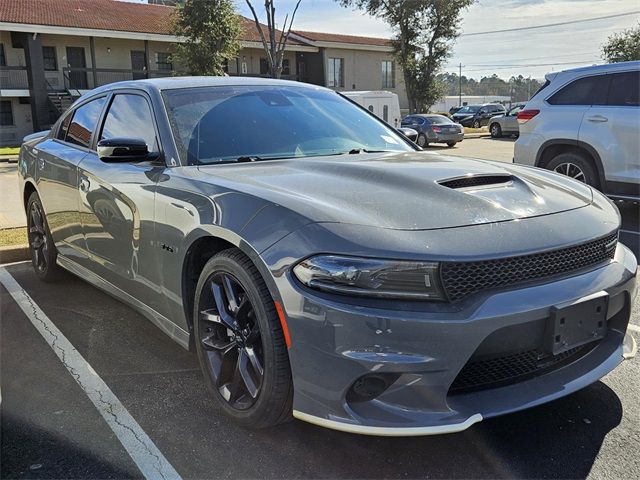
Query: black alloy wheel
(231, 338)
(240, 342)
(41, 246)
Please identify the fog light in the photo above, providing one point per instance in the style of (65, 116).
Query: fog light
(370, 386)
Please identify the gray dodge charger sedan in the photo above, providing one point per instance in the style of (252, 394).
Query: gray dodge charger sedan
(320, 265)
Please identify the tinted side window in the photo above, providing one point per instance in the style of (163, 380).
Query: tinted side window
(584, 91)
(84, 122)
(130, 116)
(624, 89)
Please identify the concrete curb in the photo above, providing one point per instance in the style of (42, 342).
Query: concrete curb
(14, 253)
(477, 135)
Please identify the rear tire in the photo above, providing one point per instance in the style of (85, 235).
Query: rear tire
(495, 130)
(41, 247)
(245, 366)
(422, 141)
(451, 144)
(575, 165)
(476, 124)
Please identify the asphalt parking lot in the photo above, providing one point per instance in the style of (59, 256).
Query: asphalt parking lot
(50, 428)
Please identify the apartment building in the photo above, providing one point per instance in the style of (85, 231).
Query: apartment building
(52, 51)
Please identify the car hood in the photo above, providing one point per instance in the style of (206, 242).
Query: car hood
(407, 191)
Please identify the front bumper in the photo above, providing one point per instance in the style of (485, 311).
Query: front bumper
(335, 344)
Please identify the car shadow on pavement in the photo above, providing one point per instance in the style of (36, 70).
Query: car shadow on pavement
(557, 440)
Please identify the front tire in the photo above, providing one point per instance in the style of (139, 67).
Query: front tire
(240, 344)
(575, 165)
(451, 144)
(41, 247)
(495, 130)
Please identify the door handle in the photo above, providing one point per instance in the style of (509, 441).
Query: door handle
(598, 119)
(85, 184)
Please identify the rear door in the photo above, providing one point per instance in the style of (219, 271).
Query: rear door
(117, 202)
(563, 117)
(57, 176)
(613, 128)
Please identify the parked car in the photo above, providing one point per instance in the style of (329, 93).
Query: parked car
(332, 273)
(477, 116)
(585, 123)
(434, 129)
(506, 124)
(453, 110)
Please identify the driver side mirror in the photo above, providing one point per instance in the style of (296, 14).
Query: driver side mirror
(123, 150)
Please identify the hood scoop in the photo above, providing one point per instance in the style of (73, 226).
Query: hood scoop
(474, 181)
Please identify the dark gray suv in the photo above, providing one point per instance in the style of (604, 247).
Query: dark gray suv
(477, 116)
(321, 266)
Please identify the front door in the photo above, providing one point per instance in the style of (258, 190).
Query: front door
(117, 205)
(77, 64)
(138, 64)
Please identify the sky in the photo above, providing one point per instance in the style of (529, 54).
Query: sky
(569, 45)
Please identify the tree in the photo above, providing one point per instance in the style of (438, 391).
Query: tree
(212, 30)
(424, 30)
(623, 46)
(275, 45)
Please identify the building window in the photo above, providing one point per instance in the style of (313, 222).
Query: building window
(3, 59)
(335, 72)
(49, 57)
(286, 68)
(6, 113)
(164, 62)
(388, 74)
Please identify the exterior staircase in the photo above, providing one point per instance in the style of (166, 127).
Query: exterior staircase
(59, 102)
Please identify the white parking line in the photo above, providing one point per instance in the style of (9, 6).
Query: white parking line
(149, 460)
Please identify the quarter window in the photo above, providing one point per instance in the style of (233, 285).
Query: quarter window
(64, 127)
(6, 113)
(584, 91)
(130, 116)
(49, 57)
(388, 74)
(335, 72)
(84, 122)
(624, 89)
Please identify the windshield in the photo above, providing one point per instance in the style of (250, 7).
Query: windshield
(469, 109)
(249, 123)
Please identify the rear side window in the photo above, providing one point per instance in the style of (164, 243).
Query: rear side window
(130, 116)
(84, 122)
(624, 89)
(583, 91)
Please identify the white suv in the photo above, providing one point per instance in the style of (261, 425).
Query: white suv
(585, 123)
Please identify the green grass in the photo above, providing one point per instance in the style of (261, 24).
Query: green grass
(9, 150)
(13, 236)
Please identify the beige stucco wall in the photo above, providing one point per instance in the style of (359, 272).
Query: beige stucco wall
(363, 71)
(252, 57)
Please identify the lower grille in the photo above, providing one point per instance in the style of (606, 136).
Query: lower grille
(465, 278)
(504, 370)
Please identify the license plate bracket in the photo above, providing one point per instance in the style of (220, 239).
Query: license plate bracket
(577, 324)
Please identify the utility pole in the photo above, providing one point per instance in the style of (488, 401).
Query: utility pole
(460, 86)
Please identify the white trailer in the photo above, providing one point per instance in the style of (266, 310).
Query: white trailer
(384, 105)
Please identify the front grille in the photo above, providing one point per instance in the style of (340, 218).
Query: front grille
(464, 278)
(512, 368)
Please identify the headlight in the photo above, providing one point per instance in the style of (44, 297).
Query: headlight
(371, 277)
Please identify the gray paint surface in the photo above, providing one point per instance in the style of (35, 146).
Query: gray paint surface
(114, 232)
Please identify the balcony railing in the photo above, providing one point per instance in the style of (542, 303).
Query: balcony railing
(88, 78)
(14, 78)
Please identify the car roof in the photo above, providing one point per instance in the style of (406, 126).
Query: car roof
(607, 67)
(169, 83)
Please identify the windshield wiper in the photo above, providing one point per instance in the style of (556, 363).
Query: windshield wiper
(356, 151)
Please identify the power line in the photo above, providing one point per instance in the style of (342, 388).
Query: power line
(451, 65)
(584, 62)
(558, 24)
